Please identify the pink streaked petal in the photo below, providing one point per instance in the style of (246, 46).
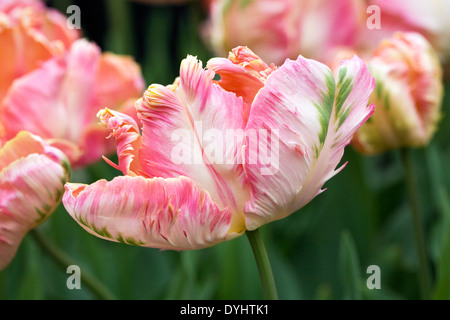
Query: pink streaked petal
(297, 108)
(128, 140)
(185, 129)
(54, 101)
(160, 213)
(30, 190)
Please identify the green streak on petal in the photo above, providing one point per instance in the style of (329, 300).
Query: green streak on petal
(325, 108)
(59, 194)
(42, 213)
(68, 169)
(344, 88)
(129, 240)
(344, 115)
(100, 231)
(245, 3)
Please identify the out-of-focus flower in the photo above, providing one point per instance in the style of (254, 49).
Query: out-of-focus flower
(59, 100)
(429, 18)
(32, 178)
(216, 158)
(30, 33)
(280, 29)
(408, 95)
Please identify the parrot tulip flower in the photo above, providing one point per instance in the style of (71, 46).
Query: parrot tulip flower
(59, 100)
(32, 178)
(214, 158)
(408, 96)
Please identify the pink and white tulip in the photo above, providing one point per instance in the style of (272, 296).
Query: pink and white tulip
(59, 100)
(32, 178)
(195, 173)
(408, 95)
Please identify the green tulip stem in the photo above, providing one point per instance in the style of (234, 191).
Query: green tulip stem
(416, 215)
(263, 264)
(63, 260)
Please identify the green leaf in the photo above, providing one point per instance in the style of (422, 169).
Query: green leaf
(31, 286)
(349, 268)
(442, 199)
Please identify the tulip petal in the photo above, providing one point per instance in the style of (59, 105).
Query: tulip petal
(312, 118)
(17, 61)
(125, 131)
(159, 213)
(118, 78)
(31, 187)
(65, 100)
(243, 72)
(195, 128)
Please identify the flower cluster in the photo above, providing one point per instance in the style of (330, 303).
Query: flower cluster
(405, 45)
(227, 147)
(53, 83)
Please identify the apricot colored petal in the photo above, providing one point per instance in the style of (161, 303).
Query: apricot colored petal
(242, 73)
(159, 213)
(16, 61)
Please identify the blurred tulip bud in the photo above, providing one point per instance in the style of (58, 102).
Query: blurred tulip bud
(408, 95)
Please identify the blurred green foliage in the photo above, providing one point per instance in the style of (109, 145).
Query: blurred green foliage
(320, 252)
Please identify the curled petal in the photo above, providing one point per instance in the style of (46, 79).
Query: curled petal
(243, 72)
(307, 120)
(159, 213)
(125, 131)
